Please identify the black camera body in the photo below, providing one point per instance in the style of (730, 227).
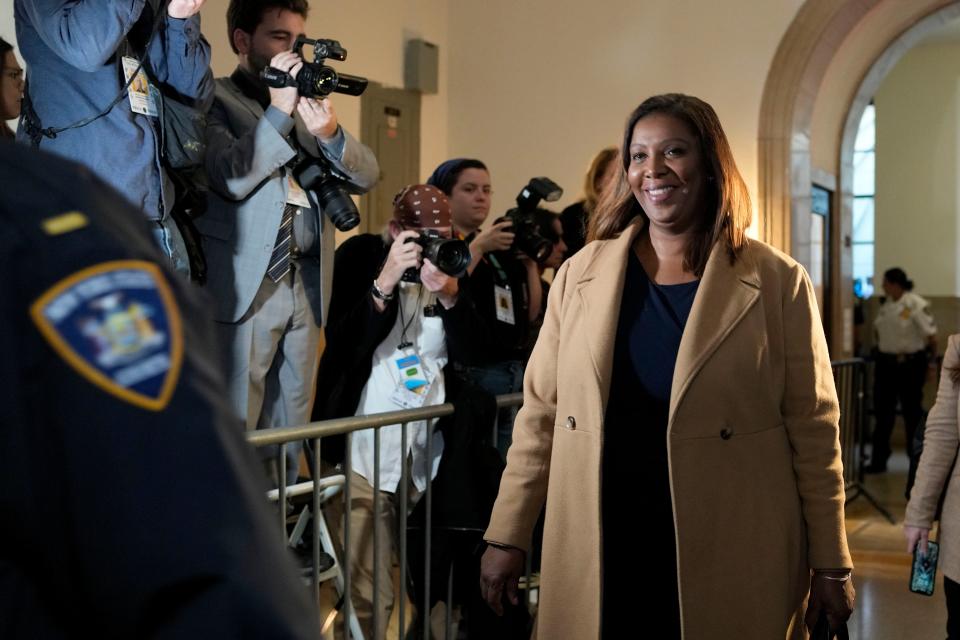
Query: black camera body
(451, 256)
(527, 237)
(314, 173)
(317, 80)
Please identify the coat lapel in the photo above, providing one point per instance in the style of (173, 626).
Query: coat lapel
(725, 294)
(600, 288)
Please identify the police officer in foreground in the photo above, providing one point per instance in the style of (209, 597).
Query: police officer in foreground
(131, 506)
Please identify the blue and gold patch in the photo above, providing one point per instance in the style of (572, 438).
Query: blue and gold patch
(117, 324)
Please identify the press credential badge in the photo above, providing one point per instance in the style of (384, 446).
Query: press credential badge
(143, 96)
(504, 304)
(414, 382)
(295, 194)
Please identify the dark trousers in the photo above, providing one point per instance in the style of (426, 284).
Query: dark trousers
(896, 378)
(951, 591)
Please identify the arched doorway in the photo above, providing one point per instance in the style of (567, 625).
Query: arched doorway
(830, 61)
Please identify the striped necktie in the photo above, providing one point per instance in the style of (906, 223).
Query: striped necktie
(280, 258)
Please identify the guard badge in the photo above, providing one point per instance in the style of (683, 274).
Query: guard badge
(117, 324)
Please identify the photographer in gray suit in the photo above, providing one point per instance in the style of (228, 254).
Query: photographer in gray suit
(268, 245)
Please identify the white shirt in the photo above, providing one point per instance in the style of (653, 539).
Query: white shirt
(428, 338)
(904, 325)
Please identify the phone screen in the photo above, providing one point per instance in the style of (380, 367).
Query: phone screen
(923, 576)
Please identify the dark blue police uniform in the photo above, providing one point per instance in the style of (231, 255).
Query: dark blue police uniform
(130, 504)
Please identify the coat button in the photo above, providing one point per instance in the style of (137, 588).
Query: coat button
(571, 423)
(726, 433)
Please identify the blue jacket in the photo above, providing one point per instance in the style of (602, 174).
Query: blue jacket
(74, 71)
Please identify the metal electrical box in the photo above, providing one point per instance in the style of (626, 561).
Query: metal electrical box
(421, 66)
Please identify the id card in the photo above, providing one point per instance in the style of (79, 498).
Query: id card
(413, 384)
(503, 302)
(142, 98)
(295, 194)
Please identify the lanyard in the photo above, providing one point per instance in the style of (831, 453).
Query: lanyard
(496, 265)
(404, 325)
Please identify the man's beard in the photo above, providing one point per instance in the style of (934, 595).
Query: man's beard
(258, 62)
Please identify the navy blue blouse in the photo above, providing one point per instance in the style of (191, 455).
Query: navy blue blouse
(635, 479)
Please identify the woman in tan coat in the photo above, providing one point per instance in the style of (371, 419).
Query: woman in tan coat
(938, 473)
(680, 418)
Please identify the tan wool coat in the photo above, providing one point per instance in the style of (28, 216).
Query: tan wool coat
(937, 472)
(752, 442)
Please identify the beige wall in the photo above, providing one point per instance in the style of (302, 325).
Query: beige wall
(918, 126)
(537, 87)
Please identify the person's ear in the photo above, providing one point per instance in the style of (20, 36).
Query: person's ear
(395, 229)
(242, 41)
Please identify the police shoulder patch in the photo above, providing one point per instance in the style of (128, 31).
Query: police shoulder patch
(118, 325)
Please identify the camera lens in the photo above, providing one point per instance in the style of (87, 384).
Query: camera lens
(535, 246)
(326, 81)
(337, 205)
(451, 256)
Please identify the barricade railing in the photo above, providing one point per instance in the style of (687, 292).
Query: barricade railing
(850, 378)
(326, 487)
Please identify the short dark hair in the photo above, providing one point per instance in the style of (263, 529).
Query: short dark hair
(446, 175)
(247, 14)
(4, 47)
(898, 276)
(544, 219)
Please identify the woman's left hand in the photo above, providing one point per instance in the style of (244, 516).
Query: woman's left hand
(833, 597)
(915, 536)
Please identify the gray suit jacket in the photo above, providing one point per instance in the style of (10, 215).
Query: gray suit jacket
(247, 152)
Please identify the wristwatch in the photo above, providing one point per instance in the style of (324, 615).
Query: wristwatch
(380, 294)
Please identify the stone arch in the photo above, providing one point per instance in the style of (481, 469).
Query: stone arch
(877, 31)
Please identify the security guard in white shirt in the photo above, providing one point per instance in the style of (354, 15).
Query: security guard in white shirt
(906, 333)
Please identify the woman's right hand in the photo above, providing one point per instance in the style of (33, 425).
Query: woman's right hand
(500, 569)
(915, 535)
(494, 238)
(403, 255)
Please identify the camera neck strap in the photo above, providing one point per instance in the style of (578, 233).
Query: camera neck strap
(405, 324)
(250, 88)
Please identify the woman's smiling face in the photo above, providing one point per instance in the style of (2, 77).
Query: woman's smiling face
(666, 172)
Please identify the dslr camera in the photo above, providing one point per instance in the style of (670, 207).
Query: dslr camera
(317, 80)
(449, 255)
(332, 191)
(527, 237)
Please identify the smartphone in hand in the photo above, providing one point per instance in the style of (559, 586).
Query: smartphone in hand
(923, 576)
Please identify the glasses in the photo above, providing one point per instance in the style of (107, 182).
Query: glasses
(14, 74)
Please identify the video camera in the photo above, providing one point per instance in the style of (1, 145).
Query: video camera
(527, 237)
(317, 80)
(451, 256)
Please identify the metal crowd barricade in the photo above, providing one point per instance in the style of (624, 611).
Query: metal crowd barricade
(326, 487)
(850, 378)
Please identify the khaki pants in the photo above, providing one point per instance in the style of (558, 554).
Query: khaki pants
(362, 552)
